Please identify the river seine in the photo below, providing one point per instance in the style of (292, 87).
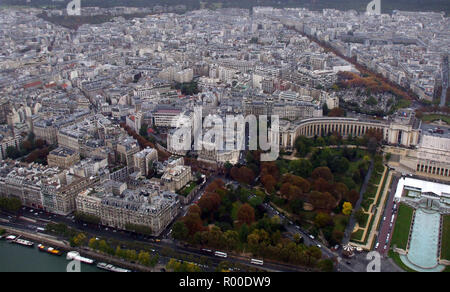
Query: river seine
(16, 258)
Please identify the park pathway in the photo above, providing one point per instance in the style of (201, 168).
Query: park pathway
(352, 222)
(379, 212)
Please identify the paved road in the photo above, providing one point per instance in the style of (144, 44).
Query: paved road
(42, 218)
(341, 266)
(24, 223)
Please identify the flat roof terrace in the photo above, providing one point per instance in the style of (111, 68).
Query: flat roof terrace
(424, 186)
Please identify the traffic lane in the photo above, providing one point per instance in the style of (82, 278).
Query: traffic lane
(291, 228)
(184, 209)
(29, 223)
(387, 223)
(40, 215)
(100, 233)
(157, 250)
(387, 230)
(295, 229)
(103, 231)
(124, 237)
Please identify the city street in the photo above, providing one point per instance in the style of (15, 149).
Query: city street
(27, 224)
(383, 242)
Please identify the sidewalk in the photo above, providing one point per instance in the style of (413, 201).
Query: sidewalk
(378, 214)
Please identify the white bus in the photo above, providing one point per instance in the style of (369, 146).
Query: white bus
(220, 254)
(257, 262)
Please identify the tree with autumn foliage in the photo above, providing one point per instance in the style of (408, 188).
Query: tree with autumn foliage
(297, 181)
(324, 201)
(144, 143)
(323, 185)
(323, 172)
(270, 168)
(193, 222)
(246, 214)
(347, 208)
(268, 182)
(290, 191)
(217, 184)
(351, 196)
(194, 209)
(209, 203)
(339, 190)
(269, 175)
(242, 174)
(336, 112)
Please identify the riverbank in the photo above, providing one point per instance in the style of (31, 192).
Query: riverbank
(18, 258)
(85, 252)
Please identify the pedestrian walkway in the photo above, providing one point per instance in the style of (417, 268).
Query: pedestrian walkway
(292, 156)
(352, 222)
(379, 211)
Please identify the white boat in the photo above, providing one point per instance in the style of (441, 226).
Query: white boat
(24, 242)
(111, 268)
(11, 237)
(74, 255)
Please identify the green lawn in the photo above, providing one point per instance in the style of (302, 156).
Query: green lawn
(372, 221)
(396, 258)
(402, 103)
(445, 249)
(366, 219)
(357, 236)
(187, 189)
(383, 187)
(340, 222)
(402, 226)
(366, 204)
(432, 118)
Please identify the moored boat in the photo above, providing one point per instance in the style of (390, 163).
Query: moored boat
(24, 242)
(74, 255)
(11, 237)
(49, 250)
(111, 268)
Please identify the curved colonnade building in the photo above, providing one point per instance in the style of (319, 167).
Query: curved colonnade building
(416, 147)
(394, 133)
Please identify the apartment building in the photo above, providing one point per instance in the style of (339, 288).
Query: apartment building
(144, 159)
(176, 177)
(119, 207)
(63, 158)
